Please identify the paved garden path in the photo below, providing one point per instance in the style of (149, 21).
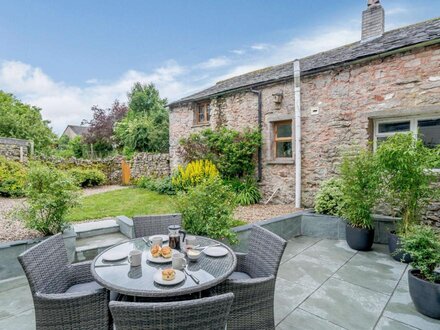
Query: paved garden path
(12, 229)
(321, 284)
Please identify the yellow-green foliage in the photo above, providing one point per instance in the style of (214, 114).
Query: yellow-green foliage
(194, 173)
(12, 178)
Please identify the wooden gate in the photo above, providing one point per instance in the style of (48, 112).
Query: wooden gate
(125, 172)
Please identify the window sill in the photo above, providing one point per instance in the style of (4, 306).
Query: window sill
(200, 125)
(281, 162)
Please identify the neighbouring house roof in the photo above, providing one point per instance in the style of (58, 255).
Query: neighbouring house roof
(78, 130)
(427, 31)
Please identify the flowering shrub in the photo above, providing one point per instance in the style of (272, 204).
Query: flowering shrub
(194, 173)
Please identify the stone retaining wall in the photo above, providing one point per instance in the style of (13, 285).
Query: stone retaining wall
(142, 164)
(15, 149)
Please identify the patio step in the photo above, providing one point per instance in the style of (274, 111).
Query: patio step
(96, 228)
(89, 247)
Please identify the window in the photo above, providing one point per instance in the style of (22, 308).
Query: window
(202, 114)
(426, 128)
(282, 144)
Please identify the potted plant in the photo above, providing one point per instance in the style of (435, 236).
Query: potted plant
(360, 183)
(423, 243)
(405, 165)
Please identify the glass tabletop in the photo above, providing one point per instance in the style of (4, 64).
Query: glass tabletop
(138, 281)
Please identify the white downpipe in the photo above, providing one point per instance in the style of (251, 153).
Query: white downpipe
(297, 87)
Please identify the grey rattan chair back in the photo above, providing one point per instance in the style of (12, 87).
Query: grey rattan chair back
(206, 313)
(45, 266)
(147, 225)
(265, 252)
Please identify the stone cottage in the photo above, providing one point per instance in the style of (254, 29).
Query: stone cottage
(312, 109)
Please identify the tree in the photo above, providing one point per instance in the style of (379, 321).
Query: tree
(101, 126)
(23, 121)
(145, 128)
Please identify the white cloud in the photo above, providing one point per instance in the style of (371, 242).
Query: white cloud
(238, 51)
(396, 11)
(63, 104)
(261, 46)
(215, 62)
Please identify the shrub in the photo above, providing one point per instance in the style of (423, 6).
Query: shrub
(87, 177)
(12, 178)
(231, 151)
(360, 187)
(207, 210)
(246, 190)
(50, 194)
(163, 185)
(405, 164)
(423, 244)
(330, 199)
(193, 174)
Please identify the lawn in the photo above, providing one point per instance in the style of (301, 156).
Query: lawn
(128, 202)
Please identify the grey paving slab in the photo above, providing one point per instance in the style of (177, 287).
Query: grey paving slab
(302, 320)
(23, 321)
(401, 308)
(334, 251)
(347, 305)
(15, 301)
(288, 296)
(307, 270)
(375, 271)
(388, 324)
(296, 245)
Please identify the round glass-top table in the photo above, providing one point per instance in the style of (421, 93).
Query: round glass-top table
(138, 281)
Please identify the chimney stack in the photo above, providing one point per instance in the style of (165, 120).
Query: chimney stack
(373, 21)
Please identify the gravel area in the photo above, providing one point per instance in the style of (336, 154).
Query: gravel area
(12, 229)
(258, 212)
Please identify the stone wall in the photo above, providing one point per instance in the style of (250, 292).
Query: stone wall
(15, 149)
(142, 164)
(338, 107)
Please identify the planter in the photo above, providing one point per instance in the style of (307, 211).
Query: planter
(425, 295)
(394, 245)
(360, 239)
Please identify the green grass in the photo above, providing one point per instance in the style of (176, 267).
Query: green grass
(128, 202)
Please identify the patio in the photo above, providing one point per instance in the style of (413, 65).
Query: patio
(322, 284)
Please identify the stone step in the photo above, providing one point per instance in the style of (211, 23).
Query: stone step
(96, 228)
(89, 247)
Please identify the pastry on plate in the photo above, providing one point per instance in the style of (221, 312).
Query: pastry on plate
(168, 274)
(155, 251)
(166, 252)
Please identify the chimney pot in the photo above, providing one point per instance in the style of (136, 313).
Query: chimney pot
(373, 21)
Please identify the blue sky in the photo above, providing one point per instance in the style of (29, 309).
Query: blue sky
(66, 56)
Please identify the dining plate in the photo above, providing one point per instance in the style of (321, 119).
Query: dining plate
(114, 256)
(164, 238)
(216, 251)
(158, 260)
(180, 276)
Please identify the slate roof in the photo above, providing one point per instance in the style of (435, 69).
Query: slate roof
(389, 41)
(78, 130)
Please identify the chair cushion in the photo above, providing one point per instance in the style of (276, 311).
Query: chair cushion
(84, 287)
(239, 276)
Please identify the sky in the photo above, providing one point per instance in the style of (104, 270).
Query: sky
(66, 56)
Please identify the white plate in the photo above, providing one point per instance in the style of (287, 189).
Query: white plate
(114, 256)
(158, 260)
(164, 238)
(216, 251)
(180, 276)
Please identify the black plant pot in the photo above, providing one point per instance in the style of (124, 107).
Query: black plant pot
(425, 295)
(360, 239)
(394, 245)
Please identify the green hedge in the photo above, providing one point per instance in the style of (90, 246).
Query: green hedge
(12, 178)
(87, 177)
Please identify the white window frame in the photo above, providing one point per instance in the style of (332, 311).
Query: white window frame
(413, 124)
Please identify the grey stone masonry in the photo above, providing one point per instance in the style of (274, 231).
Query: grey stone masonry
(15, 149)
(148, 164)
(373, 22)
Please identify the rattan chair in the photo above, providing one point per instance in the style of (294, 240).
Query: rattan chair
(65, 295)
(147, 225)
(206, 313)
(253, 282)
